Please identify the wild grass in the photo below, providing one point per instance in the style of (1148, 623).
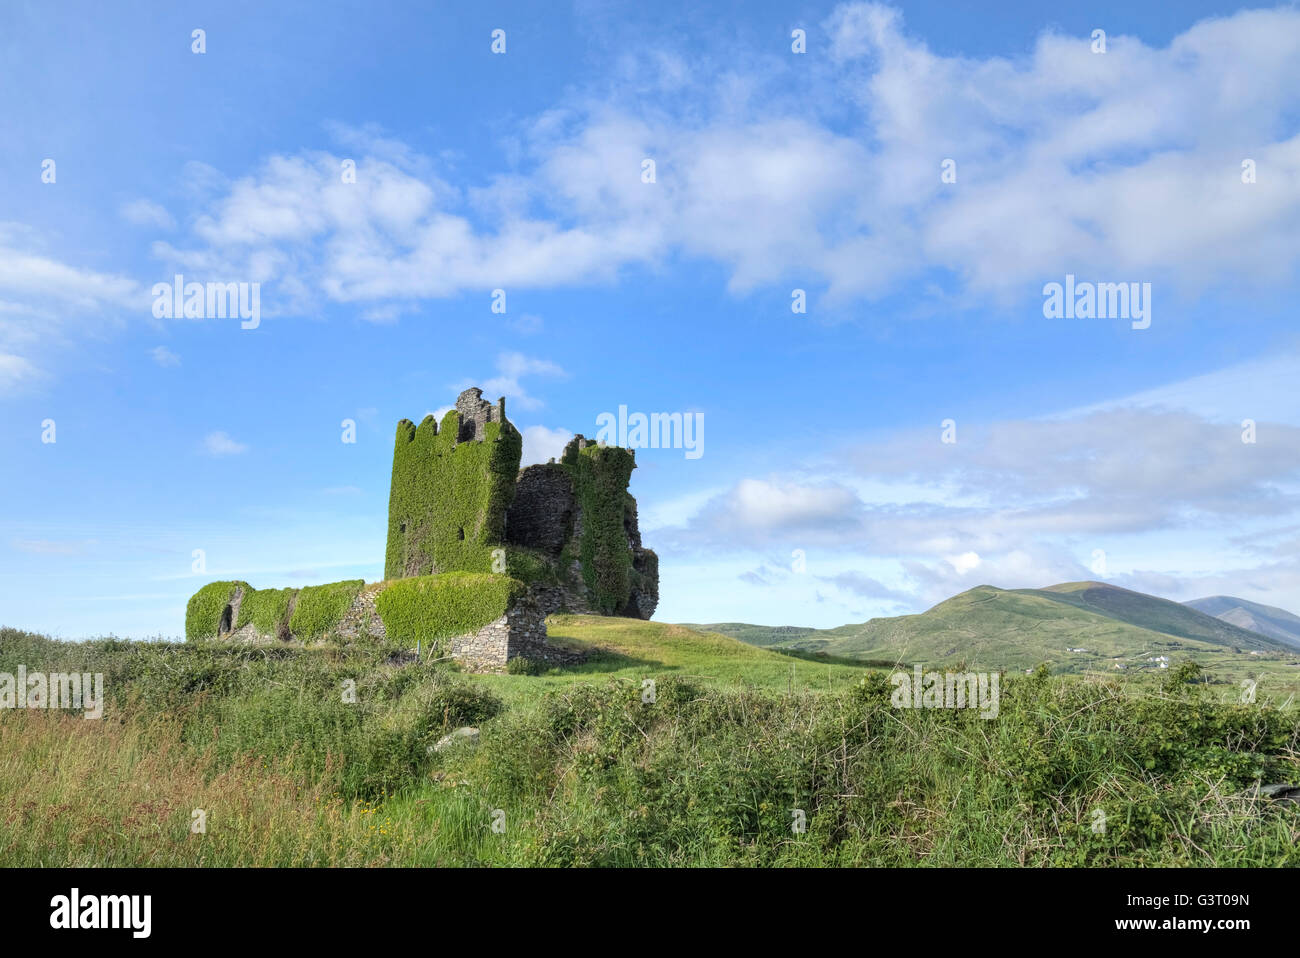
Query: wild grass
(739, 758)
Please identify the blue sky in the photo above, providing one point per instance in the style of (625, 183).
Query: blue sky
(1085, 448)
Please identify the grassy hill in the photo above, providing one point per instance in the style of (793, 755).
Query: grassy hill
(1263, 619)
(1021, 628)
(1155, 614)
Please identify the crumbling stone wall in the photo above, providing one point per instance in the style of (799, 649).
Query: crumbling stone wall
(520, 633)
(541, 515)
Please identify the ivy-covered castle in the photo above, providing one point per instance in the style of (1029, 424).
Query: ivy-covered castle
(479, 551)
(460, 503)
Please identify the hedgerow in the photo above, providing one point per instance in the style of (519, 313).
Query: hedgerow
(320, 608)
(448, 501)
(203, 613)
(433, 607)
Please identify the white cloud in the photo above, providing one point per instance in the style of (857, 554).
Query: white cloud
(50, 547)
(220, 444)
(15, 372)
(526, 324)
(542, 444)
(164, 357)
(1124, 166)
(511, 368)
(144, 212)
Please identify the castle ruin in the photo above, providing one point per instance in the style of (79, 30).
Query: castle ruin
(479, 552)
(460, 503)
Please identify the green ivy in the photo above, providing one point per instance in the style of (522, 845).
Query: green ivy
(529, 565)
(433, 607)
(448, 501)
(267, 610)
(320, 608)
(203, 613)
(600, 479)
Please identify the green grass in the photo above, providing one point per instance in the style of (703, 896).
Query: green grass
(633, 650)
(586, 771)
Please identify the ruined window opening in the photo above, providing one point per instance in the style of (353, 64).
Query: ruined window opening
(460, 533)
(227, 615)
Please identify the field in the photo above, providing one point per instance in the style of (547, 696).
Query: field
(736, 755)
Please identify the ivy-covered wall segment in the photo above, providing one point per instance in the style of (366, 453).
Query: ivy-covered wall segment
(577, 517)
(452, 486)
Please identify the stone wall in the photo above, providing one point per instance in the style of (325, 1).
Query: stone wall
(362, 620)
(519, 634)
(541, 515)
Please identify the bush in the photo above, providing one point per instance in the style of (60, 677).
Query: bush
(522, 666)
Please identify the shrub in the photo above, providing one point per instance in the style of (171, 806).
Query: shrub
(522, 666)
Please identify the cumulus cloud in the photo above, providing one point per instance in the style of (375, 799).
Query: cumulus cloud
(1017, 503)
(542, 444)
(512, 367)
(1124, 166)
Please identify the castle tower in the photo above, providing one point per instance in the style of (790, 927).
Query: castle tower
(452, 484)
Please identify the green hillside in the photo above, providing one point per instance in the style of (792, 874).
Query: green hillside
(1154, 613)
(1020, 628)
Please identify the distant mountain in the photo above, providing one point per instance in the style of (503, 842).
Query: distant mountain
(1075, 625)
(1154, 613)
(1265, 619)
